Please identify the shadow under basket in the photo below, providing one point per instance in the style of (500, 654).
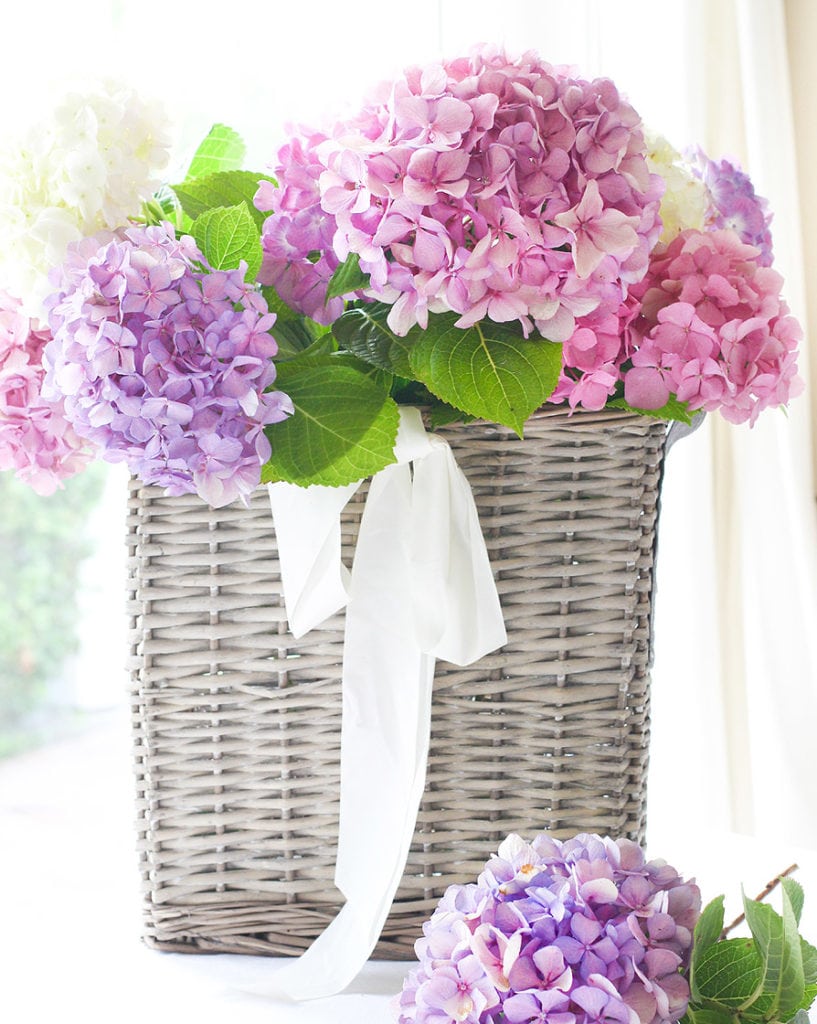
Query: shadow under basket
(237, 724)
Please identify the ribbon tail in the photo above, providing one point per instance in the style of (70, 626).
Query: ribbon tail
(387, 684)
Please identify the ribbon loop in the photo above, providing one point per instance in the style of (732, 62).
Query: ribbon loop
(421, 587)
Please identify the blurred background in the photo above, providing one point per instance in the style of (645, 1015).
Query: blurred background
(735, 689)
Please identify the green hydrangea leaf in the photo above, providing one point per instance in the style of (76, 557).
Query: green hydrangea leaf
(228, 235)
(489, 370)
(778, 943)
(809, 954)
(729, 973)
(348, 277)
(223, 149)
(222, 188)
(794, 891)
(707, 932)
(343, 429)
(704, 1015)
(801, 1017)
(440, 414)
(673, 410)
(363, 330)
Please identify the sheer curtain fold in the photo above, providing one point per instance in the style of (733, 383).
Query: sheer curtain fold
(763, 515)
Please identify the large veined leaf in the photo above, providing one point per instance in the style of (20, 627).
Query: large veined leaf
(223, 188)
(223, 149)
(488, 370)
(343, 428)
(363, 331)
(729, 973)
(228, 235)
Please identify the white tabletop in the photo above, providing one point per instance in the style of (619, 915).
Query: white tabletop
(69, 941)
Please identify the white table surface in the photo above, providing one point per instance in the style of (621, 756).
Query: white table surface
(69, 941)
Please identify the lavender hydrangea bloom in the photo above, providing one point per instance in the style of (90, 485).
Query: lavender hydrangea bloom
(734, 203)
(562, 932)
(164, 363)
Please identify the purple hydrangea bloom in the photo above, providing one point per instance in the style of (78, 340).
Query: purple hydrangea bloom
(164, 363)
(573, 932)
(734, 203)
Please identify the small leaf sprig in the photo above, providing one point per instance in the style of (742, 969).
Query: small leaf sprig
(768, 978)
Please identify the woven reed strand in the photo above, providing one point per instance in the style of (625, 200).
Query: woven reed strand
(237, 724)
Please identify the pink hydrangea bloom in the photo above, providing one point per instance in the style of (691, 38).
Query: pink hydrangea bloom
(165, 365)
(36, 439)
(713, 330)
(297, 241)
(494, 188)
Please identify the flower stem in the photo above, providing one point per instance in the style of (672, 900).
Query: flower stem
(770, 887)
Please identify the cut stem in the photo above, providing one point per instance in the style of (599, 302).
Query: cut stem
(770, 887)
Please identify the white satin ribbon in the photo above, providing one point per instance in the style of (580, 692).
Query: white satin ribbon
(421, 588)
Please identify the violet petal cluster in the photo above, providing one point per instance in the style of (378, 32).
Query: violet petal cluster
(734, 204)
(569, 932)
(164, 363)
(498, 189)
(36, 440)
(713, 330)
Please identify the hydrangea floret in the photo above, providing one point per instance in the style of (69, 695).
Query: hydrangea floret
(567, 932)
(166, 364)
(36, 439)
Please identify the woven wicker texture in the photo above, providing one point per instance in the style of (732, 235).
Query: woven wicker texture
(237, 724)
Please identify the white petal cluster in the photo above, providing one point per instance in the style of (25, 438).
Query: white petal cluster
(685, 199)
(86, 168)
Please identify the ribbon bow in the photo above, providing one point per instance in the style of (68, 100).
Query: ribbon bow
(421, 588)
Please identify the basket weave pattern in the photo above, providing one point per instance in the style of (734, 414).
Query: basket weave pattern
(237, 724)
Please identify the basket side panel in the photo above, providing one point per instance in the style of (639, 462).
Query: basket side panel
(237, 724)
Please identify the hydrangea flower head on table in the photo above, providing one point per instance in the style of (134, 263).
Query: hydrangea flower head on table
(485, 235)
(568, 933)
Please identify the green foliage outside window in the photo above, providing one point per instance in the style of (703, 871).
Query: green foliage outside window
(43, 542)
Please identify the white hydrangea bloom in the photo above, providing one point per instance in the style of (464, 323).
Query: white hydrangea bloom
(685, 199)
(85, 169)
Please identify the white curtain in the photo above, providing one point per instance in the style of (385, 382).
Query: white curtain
(735, 691)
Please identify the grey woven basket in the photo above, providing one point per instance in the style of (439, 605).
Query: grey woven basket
(237, 724)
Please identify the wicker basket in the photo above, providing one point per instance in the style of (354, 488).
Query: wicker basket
(237, 725)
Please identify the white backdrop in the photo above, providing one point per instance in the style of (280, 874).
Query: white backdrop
(734, 685)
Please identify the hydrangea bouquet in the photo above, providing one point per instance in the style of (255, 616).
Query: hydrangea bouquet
(484, 236)
(589, 931)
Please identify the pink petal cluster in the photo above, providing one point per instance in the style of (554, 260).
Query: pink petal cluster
(499, 189)
(36, 440)
(164, 363)
(297, 240)
(713, 330)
